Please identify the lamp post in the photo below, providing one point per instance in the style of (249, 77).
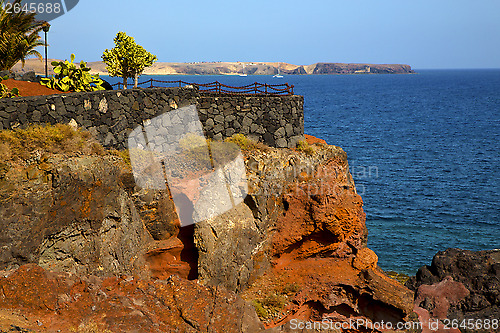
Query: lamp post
(46, 27)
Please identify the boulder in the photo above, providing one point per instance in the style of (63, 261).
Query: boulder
(29, 76)
(474, 278)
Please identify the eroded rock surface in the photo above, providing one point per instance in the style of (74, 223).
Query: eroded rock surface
(304, 254)
(41, 301)
(83, 214)
(103, 252)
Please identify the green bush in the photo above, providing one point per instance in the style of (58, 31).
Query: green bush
(274, 302)
(305, 147)
(400, 277)
(69, 77)
(5, 92)
(246, 143)
(260, 310)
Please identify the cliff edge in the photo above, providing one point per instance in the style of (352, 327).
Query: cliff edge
(84, 247)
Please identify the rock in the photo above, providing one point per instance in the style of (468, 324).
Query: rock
(4, 73)
(477, 272)
(226, 244)
(79, 215)
(365, 259)
(314, 140)
(304, 254)
(29, 76)
(62, 302)
(75, 220)
(432, 302)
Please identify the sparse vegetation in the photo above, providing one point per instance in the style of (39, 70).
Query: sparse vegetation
(59, 138)
(246, 143)
(90, 327)
(124, 154)
(272, 300)
(400, 277)
(305, 147)
(269, 306)
(290, 289)
(260, 310)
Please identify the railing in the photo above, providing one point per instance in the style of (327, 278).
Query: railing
(220, 88)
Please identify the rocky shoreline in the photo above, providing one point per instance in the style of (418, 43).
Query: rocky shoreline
(85, 250)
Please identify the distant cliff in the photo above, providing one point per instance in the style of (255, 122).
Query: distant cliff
(337, 68)
(236, 68)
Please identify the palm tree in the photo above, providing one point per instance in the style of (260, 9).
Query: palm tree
(18, 35)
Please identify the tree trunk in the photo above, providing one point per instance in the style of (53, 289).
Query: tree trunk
(124, 82)
(136, 79)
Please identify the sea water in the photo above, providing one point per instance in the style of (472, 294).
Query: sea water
(423, 150)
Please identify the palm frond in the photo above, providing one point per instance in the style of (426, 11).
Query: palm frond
(19, 36)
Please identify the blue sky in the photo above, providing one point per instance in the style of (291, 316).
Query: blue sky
(421, 33)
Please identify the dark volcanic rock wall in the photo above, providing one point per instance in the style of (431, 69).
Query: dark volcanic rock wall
(277, 121)
(111, 115)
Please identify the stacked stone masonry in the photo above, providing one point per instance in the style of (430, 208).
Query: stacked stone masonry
(111, 115)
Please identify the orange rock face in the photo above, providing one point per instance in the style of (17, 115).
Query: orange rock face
(60, 302)
(295, 248)
(321, 268)
(312, 140)
(323, 217)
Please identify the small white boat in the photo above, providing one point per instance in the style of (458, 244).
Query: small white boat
(279, 76)
(242, 70)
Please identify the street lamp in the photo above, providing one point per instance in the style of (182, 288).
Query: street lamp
(46, 27)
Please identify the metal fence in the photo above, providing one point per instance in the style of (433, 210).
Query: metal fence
(220, 88)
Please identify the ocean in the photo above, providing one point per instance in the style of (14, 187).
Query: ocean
(423, 150)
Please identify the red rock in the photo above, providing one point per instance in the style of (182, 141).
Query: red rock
(50, 302)
(314, 140)
(432, 303)
(318, 245)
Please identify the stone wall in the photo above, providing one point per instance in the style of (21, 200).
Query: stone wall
(276, 120)
(111, 115)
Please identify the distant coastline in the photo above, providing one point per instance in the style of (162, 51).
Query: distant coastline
(238, 68)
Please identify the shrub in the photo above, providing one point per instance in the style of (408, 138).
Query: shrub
(246, 143)
(127, 59)
(69, 77)
(90, 327)
(5, 92)
(260, 310)
(305, 147)
(274, 301)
